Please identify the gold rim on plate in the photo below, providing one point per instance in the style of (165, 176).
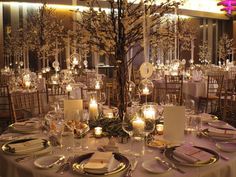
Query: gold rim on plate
(169, 154)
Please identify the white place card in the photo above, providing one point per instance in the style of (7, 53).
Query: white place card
(174, 124)
(71, 107)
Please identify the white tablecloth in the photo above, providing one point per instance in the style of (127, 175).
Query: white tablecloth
(222, 168)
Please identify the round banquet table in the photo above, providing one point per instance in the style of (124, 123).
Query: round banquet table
(222, 168)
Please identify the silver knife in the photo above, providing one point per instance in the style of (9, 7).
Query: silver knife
(170, 165)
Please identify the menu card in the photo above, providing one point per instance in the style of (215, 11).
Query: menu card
(174, 123)
(71, 107)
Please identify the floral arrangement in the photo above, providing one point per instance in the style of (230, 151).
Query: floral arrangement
(124, 27)
(110, 126)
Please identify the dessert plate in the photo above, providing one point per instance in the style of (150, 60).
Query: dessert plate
(48, 161)
(155, 166)
(226, 146)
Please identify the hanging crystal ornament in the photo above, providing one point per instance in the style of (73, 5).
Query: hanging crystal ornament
(131, 86)
(44, 70)
(86, 64)
(56, 65)
(146, 87)
(75, 59)
(55, 78)
(98, 84)
(48, 69)
(21, 63)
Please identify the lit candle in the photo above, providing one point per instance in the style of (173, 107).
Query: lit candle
(98, 131)
(145, 90)
(138, 125)
(160, 128)
(75, 61)
(40, 76)
(110, 114)
(27, 84)
(93, 109)
(68, 88)
(149, 113)
(97, 85)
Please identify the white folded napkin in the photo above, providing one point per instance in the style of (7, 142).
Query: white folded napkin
(191, 154)
(100, 162)
(221, 133)
(26, 126)
(197, 75)
(27, 147)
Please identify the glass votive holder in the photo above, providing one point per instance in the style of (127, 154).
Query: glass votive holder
(98, 132)
(160, 128)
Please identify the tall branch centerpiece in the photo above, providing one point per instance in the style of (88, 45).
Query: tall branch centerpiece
(119, 28)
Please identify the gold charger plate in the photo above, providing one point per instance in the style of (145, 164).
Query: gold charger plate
(169, 153)
(45, 148)
(14, 129)
(78, 165)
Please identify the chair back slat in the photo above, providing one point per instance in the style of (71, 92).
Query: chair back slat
(174, 87)
(25, 105)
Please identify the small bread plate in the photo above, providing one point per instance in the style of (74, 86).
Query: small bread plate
(226, 146)
(221, 125)
(27, 146)
(169, 153)
(120, 165)
(46, 162)
(206, 118)
(155, 166)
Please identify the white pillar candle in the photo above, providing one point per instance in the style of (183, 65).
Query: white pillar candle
(138, 125)
(160, 128)
(93, 109)
(149, 113)
(98, 131)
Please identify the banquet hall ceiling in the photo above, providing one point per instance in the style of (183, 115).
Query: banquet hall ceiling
(195, 8)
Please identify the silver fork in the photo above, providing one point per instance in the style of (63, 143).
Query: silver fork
(131, 169)
(65, 166)
(170, 165)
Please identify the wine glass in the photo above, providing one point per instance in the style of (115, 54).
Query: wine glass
(102, 98)
(190, 107)
(84, 121)
(135, 98)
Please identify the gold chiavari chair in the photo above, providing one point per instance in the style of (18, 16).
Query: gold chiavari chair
(214, 91)
(174, 87)
(55, 92)
(5, 105)
(25, 105)
(229, 100)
